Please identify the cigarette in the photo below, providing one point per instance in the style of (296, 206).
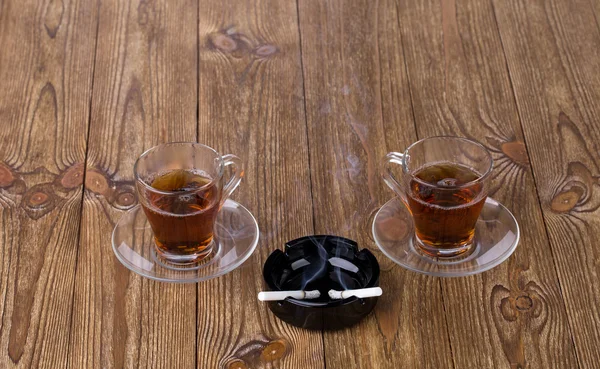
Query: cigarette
(282, 295)
(360, 293)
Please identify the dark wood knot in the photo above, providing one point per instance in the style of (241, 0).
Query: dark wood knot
(239, 45)
(72, 177)
(576, 191)
(273, 351)
(119, 194)
(516, 151)
(523, 303)
(265, 51)
(565, 201)
(39, 200)
(97, 182)
(126, 199)
(254, 352)
(526, 299)
(507, 309)
(124, 196)
(223, 42)
(6, 176)
(236, 364)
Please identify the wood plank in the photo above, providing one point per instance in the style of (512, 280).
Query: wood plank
(251, 105)
(552, 49)
(144, 93)
(358, 109)
(513, 315)
(46, 68)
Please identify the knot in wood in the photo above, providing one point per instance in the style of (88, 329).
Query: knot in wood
(515, 151)
(6, 176)
(125, 199)
(274, 350)
(223, 42)
(565, 201)
(264, 51)
(236, 364)
(523, 303)
(37, 199)
(96, 182)
(72, 177)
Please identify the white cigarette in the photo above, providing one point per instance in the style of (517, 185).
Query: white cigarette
(360, 293)
(281, 295)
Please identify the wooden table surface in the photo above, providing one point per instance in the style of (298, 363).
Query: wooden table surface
(311, 94)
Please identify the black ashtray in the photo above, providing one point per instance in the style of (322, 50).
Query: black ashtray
(321, 263)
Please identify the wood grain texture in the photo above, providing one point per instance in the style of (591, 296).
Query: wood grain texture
(595, 4)
(46, 67)
(251, 105)
(358, 109)
(144, 93)
(512, 316)
(310, 94)
(553, 54)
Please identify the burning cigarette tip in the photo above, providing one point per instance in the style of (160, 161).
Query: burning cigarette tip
(282, 295)
(360, 293)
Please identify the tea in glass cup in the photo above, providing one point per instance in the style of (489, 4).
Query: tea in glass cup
(181, 189)
(444, 184)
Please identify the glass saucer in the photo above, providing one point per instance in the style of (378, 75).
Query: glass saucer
(496, 238)
(236, 236)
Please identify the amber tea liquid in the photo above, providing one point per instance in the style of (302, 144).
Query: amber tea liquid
(183, 223)
(444, 211)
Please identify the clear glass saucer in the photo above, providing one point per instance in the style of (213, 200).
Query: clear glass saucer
(496, 238)
(236, 236)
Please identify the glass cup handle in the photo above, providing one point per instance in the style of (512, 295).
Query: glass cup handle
(386, 173)
(235, 179)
